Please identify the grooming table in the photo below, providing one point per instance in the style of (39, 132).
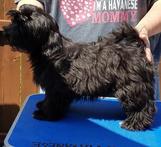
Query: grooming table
(87, 124)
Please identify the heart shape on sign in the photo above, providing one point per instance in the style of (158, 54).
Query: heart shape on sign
(76, 11)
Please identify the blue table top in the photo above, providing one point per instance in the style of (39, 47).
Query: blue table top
(88, 124)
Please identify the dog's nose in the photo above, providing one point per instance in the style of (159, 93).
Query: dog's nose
(3, 39)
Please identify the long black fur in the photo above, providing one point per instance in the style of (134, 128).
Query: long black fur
(69, 71)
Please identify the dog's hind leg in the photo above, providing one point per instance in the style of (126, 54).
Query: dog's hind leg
(137, 100)
(53, 107)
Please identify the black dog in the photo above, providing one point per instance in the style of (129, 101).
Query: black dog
(71, 71)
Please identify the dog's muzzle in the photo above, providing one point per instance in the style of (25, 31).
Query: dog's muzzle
(3, 39)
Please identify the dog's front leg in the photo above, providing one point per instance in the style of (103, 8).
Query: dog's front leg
(53, 107)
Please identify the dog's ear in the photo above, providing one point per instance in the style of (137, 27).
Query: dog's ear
(27, 10)
(17, 16)
(24, 14)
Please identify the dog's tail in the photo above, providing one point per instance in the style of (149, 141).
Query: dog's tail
(126, 34)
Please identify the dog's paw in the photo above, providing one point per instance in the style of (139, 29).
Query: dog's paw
(134, 125)
(40, 115)
(128, 126)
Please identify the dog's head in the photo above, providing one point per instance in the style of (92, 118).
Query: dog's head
(29, 29)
